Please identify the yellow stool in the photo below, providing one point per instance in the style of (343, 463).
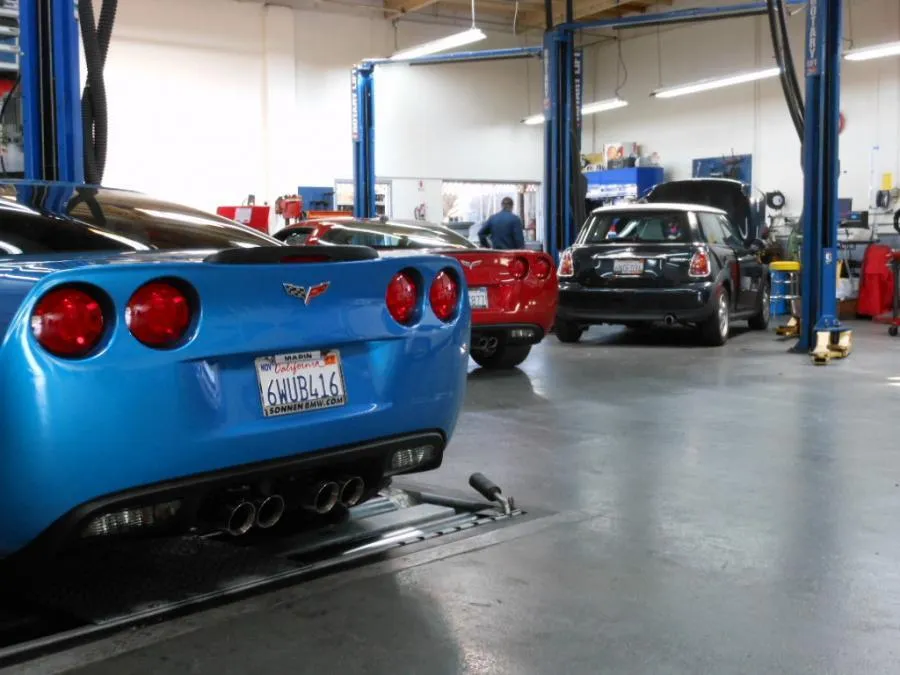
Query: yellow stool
(792, 269)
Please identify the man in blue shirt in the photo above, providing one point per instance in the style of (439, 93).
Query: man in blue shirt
(504, 228)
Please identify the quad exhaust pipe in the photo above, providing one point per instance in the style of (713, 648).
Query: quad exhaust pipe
(236, 518)
(321, 497)
(352, 490)
(269, 511)
(239, 516)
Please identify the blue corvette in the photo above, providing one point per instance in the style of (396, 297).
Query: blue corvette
(163, 370)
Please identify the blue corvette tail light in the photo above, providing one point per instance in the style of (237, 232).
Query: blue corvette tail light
(69, 321)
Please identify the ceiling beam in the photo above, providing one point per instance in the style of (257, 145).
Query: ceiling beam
(592, 9)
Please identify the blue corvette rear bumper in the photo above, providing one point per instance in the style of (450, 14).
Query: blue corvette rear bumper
(80, 438)
(92, 442)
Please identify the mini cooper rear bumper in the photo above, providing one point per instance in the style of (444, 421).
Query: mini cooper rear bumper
(690, 303)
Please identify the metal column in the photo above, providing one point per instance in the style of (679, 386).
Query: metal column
(49, 70)
(560, 121)
(821, 171)
(362, 111)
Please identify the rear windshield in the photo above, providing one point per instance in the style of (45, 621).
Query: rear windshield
(636, 226)
(116, 222)
(392, 235)
(296, 236)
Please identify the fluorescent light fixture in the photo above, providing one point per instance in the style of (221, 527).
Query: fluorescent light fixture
(876, 52)
(716, 83)
(467, 37)
(586, 109)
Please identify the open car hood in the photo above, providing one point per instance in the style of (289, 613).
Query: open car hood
(733, 197)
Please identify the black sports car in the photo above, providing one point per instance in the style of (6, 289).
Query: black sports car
(637, 264)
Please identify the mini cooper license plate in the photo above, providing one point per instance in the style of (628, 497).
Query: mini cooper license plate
(478, 298)
(629, 267)
(300, 382)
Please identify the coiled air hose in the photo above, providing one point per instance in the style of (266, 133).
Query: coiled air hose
(94, 113)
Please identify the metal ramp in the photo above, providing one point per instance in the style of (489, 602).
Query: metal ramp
(103, 589)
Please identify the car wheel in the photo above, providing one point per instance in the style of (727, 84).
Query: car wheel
(760, 320)
(567, 331)
(716, 328)
(503, 357)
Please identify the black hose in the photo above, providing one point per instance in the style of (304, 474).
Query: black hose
(94, 111)
(789, 66)
(792, 104)
(548, 13)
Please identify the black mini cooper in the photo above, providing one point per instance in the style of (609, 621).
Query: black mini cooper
(640, 264)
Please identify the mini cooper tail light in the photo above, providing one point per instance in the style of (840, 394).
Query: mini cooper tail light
(566, 265)
(700, 266)
(68, 321)
(401, 297)
(518, 267)
(159, 314)
(542, 268)
(444, 295)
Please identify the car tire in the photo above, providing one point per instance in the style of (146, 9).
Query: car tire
(567, 331)
(760, 320)
(715, 330)
(503, 357)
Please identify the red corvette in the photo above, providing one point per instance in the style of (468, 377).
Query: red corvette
(513, 294)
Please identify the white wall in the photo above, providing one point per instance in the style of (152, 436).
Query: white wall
(186, 110)
(749, 118)
(211, 100)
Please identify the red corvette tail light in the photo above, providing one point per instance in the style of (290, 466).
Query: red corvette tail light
(566, 265)
(542, 268)
(401, 297)
(68, 321)
(700, 266)
(518, 267)
(158, 314)
(444, 295)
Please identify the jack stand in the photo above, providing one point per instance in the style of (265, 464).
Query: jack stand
(789, 330)
(835, 344)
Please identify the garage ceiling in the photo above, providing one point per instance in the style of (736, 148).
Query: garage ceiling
(527, 14)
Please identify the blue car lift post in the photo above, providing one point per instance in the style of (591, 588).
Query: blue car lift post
(821, 333)
(51, 100)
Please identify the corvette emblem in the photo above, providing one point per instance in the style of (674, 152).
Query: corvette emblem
(470, 264)
(304, 293)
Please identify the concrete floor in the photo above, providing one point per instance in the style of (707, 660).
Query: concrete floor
(717, 511)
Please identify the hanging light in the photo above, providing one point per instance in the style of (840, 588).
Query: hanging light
(715, 83)
(586, 109)
(876, 52)
(467, 37)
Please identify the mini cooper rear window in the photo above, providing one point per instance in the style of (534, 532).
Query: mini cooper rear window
(636, 226)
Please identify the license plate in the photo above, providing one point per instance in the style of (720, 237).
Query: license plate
(478, 298)
(628, 266)
(300, 382)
